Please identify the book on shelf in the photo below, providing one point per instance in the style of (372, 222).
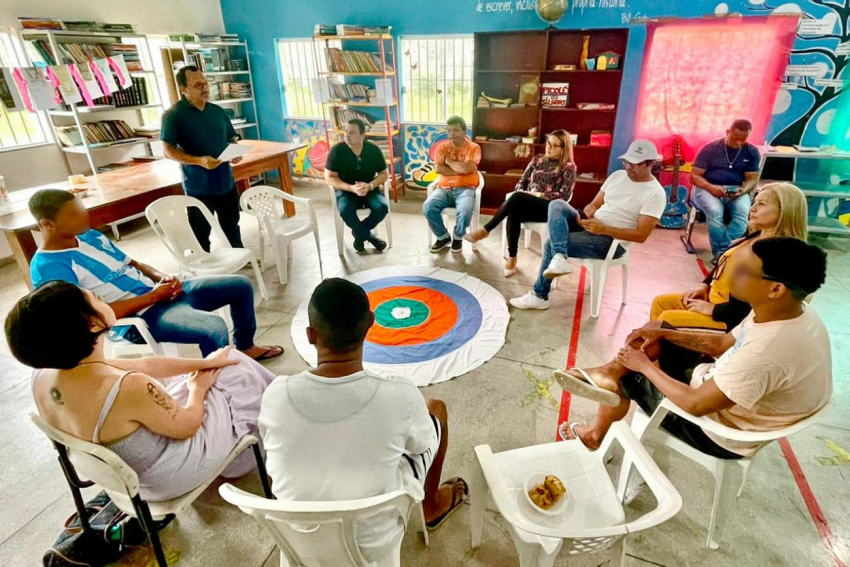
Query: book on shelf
(349, 92)
(239, 90)
(345, 61)
(30, 23)
(324, 29)
(343, 115)
(217, 37)
(350, 29)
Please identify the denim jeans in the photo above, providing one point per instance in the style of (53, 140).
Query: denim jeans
(567, 237)
(719, 235)
(348, 204)
(461, 198)
(188, 320)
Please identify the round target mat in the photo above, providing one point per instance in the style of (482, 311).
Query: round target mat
(430, 325)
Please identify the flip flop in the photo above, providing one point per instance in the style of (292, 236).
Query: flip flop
(437, 522)
(572, 427)
(586, 388)
(267, 355)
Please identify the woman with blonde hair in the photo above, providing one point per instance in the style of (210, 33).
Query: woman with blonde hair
(548, 177)
(779, 209)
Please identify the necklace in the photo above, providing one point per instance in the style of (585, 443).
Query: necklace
(726, 151)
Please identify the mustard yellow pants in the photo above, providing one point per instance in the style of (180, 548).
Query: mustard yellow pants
(670, 309)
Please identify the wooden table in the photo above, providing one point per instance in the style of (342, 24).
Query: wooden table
(122, 193)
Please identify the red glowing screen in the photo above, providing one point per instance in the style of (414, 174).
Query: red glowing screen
(699, 76)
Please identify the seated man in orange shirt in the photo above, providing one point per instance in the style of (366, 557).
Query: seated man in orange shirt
(457, 166)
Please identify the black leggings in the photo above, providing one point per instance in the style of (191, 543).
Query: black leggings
(519, 208)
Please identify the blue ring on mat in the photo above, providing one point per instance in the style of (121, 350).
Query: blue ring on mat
(469, 318)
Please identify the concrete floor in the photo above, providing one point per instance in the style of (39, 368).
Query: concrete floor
(498, 403)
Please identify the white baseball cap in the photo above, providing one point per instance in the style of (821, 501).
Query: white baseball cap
(640, 151)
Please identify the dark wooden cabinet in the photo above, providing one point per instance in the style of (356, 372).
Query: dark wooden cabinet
(502, 59)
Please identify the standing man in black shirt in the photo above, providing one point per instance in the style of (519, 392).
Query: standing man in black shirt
(357, 170)
(194, 132)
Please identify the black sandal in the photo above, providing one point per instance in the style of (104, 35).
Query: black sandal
(437, 522)
(278, 350)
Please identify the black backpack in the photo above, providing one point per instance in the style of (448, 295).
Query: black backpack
(111, 530)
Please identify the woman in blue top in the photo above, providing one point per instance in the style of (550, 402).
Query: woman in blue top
(548, 177)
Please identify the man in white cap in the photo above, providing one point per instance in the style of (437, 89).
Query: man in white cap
(627, 207)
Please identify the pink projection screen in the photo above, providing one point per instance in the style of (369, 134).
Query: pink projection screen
(699, 76)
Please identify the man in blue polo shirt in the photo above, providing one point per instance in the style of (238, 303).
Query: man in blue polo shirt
(175, 311)
(725, 172)
(194, 132)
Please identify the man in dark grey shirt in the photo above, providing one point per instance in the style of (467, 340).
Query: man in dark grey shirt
(194, 132)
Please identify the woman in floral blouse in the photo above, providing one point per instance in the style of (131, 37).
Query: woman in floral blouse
(547, 177)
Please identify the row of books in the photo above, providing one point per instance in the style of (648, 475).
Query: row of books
(226, 90)
(343, 115)
(350, 92)
(223, 37)
(40, 51)
(136, 94)
(96, 133)
(58, 25)
(354, 61)
(350, 29)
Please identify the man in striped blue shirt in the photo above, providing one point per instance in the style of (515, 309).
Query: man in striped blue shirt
(175, 311)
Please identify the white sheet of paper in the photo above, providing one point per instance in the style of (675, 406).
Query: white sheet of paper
(88, 79)
(106, 71)
(67, 86)
(233, 151)
(40, 88)
(119, 60)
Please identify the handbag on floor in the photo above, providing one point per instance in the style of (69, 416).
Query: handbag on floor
(111, 530)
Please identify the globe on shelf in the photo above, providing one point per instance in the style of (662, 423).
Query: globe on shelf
(551, 11)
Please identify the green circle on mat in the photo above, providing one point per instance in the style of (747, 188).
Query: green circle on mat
(418, 313)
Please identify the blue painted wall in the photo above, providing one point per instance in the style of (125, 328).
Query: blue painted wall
(263, 21)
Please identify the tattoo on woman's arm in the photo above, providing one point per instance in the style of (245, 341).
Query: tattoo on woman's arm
(56, 396)
(159, 398)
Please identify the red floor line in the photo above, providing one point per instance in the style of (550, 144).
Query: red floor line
(566, 397)
(811, 502)
(815, 511)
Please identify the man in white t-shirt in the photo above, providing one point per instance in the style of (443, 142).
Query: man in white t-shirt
(771, 371)
(627, 207)
(337, 432)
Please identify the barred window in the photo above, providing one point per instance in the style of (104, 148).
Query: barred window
(298, 67)
(18, 128)
(437, 74)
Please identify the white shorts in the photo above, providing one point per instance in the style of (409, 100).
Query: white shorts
(419, 465)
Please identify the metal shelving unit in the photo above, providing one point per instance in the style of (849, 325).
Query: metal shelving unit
(391, 113)
(235, 50)
(78, 113)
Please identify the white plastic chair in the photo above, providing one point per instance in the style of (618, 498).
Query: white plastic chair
(541, 228)
(594, 518)
(598, 271)
(261, 203)
(117, 347)
(339, 225)
(643, 426)
(169, 218)
(103, 468)
(312, 534)
(476, 213)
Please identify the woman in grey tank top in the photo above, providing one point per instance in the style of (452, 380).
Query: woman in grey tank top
(174, 421)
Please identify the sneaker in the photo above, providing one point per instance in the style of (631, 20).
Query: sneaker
(457, 245)
(530, 301)
(440, 244)
(379, 244)
(358, 245)
(559, 266)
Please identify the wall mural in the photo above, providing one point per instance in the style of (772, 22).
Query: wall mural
(420, 145)
(310, 161)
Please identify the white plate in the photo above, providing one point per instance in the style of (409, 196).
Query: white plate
(536, 478)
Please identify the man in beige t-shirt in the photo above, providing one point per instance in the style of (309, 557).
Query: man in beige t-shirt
(771, 371)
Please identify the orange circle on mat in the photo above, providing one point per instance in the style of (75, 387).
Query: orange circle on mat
(443, 316)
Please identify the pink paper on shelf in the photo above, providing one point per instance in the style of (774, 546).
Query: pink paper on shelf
(57, 84)
(23, 90)
(120, 67)
(66, 87)
(103, 74)
(81, 83)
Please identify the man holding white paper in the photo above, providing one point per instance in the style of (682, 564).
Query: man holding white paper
(201, 138)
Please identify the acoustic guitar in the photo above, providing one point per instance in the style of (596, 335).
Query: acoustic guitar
(676, 212)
